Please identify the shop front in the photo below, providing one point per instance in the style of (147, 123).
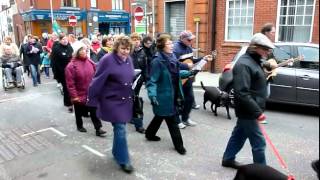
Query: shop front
(37, 22)
(114, 22)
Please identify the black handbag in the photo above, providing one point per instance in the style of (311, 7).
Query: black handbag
(137, 107)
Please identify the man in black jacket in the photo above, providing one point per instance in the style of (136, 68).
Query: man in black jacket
(250, 88)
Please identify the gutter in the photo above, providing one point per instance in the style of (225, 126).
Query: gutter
(214, 27)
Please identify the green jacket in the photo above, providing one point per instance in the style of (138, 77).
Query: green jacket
(160, 86)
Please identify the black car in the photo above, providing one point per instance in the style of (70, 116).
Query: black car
(295, 83)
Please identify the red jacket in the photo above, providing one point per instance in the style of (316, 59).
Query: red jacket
(79, 74)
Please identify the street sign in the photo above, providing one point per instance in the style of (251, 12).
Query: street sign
(72, 20)
(138, 13)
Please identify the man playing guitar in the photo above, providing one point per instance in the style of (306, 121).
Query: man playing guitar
(184, 52)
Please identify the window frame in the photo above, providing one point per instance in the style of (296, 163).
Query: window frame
(117, 5)
(72, 3)
(226, 38)
(295, 16)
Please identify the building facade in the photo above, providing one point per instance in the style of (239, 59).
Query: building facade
(104, 16)
(226, 25)
(7, 9)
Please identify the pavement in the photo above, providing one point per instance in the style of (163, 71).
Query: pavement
(208, 79)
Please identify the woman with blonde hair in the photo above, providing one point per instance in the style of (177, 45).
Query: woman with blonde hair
(111, 92)
(8, 42)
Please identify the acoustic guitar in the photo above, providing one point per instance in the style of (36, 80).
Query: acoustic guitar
(272, 73)
(189, 61)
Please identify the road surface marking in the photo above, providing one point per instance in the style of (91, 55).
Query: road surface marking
(43, 130)
(93, 151)
(27, 96)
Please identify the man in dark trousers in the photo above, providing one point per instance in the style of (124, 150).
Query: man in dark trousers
(250, 91)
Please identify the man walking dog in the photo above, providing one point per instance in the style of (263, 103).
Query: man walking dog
(250, 91)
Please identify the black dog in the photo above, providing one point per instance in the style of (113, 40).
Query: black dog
(259, 172)
(217, 98)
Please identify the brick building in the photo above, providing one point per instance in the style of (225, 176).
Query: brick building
(226, 25)
(103, 16)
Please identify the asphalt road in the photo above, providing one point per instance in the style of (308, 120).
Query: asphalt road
(39, 140)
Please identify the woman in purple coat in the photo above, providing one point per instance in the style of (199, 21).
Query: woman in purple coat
(110, 91)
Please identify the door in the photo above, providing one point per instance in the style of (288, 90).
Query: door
(175, 18)
(283, 85)
(308, 76)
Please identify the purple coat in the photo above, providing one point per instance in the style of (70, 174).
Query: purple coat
(110, 90)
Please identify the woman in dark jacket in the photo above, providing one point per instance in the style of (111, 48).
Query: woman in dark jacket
(106, 48)
(79, 73)
(111, 92)
(34, 49)
(60, 57)
(165, 92)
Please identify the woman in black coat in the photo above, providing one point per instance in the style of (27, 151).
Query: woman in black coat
(60, 57)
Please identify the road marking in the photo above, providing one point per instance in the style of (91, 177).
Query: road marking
(43, 130)
(93, 151)
(27, 96)
(198, 90)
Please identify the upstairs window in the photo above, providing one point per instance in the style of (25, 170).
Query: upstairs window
(295, 20)
(69, 3)
(117, 4)
(239, 20)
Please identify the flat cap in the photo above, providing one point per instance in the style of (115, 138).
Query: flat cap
(260, 39)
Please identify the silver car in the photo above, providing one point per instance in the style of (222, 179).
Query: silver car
(297, 83)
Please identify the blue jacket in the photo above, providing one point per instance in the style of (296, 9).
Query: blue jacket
(160, 86)
(45, 59)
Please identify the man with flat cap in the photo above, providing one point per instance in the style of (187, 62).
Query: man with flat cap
(250, 92)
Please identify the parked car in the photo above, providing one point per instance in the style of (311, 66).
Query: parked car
(297, 83)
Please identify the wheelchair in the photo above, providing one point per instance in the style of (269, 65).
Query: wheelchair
(5, 83)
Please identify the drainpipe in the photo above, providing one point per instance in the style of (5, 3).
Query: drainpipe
(213, 41)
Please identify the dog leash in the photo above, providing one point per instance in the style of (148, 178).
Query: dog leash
(276, 152)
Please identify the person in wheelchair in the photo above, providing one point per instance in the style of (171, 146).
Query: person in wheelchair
(12, 66)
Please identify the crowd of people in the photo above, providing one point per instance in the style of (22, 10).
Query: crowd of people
(97, 77)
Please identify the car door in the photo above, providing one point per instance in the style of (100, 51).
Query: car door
(308, 76)
(283, 85)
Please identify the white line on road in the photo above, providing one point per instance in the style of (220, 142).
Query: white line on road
(198, 90)
(27, 96)
(43, 130)
(93, 151)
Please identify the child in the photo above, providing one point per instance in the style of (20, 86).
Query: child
(45, 65)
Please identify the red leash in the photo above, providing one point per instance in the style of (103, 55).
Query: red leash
(275, 151)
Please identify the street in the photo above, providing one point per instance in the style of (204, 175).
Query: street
(39, 140)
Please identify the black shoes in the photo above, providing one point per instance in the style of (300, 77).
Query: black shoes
(82, 129)
(141, 130)
(153, 138)
(231, 164)
(126, 168)
(100, 133)
(181, 151)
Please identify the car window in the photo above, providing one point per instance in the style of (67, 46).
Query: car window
(310, 57)
(282, 53)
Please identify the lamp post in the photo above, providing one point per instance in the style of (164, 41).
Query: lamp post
(51, 10)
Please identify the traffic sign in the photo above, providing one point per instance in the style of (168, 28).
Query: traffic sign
(72, 20)
(138, 13)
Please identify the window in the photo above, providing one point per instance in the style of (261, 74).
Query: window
(295, 20)
(282, 53)
(69, 3)
(93, 3)
(239, 20)
(117, 4)
(310, 57)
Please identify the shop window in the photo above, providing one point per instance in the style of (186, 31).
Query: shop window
(117, 4)
(69, 3)
(239, 18)
(295, 20)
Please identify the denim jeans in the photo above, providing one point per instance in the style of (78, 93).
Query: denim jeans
(17, 70)
(120, 146)
(138, 122)
(47, 71)
(246, 128)
(35, 74)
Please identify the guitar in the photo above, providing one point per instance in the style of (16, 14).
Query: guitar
(273, 72)
(189, 61)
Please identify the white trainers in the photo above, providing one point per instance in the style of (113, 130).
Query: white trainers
(181, 126)
(189, 122)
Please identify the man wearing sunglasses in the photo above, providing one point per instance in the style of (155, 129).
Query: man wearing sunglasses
(183, 51)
